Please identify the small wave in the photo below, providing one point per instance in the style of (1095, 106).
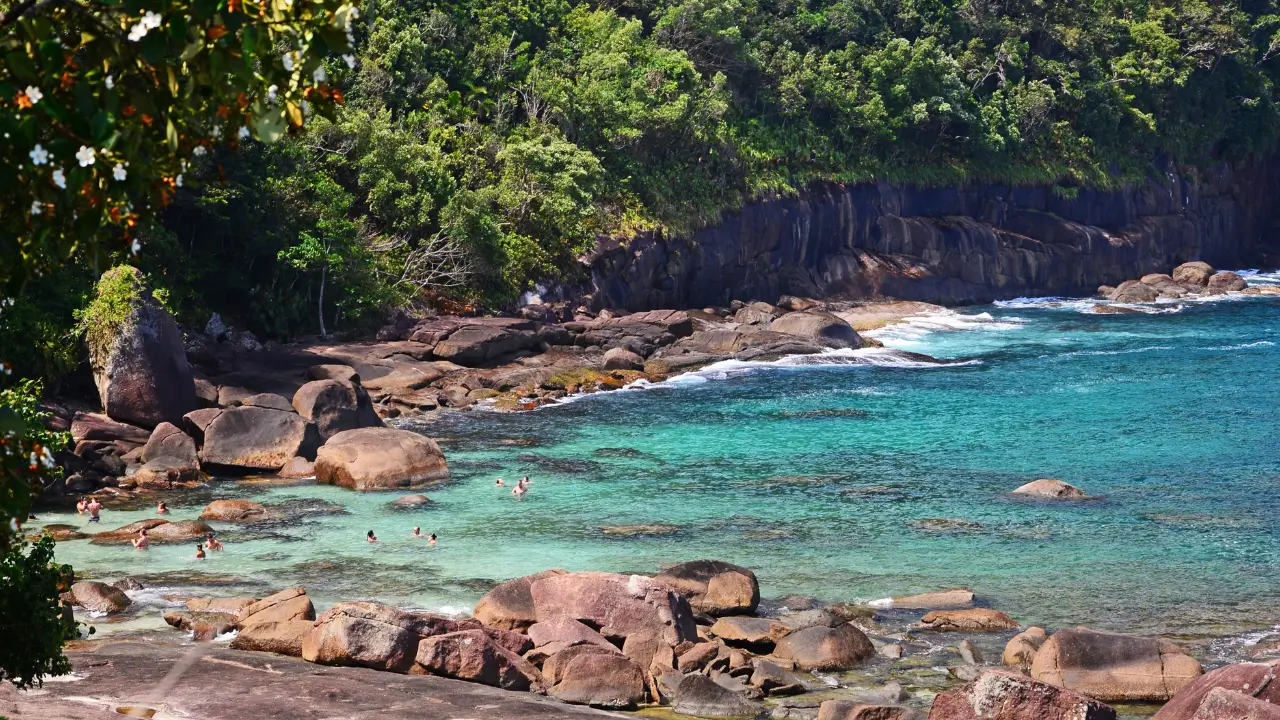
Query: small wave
(911, 329)
(878, 357)
(1243, 346)
(1126, 351)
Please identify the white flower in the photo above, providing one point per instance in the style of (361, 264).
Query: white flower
(135, 247)
(351, 37)
(271, 93)
(288, 61)
(33, 94)
(199, 151)
(85, 156)
(151, 20)
(119, 173)
(46, 457)
(184, 165)
(319, 75)
(243, 133)
(60, 178)
(39, 155)
(137, 32)
(36, 209)
(111, 83)
(306, 108)
(350, 60)
(216, 132)
(178, 180)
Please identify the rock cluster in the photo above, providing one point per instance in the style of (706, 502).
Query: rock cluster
(1188, 280)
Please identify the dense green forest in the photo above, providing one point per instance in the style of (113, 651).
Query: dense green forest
(483, 144)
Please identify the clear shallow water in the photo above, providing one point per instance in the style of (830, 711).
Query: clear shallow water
(822, 475)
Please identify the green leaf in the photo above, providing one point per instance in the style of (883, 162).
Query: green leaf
(171, 134)
(192, 50)
(270, 125)
(102, 125)
(21, 67)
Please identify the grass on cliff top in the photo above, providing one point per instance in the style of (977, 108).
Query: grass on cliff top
(117, 295)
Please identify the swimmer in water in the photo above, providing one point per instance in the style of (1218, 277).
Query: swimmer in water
(417, 532)
(161, 508)
(82, 507)
(432, 539)
(94, 508)
(499, 483)
(141, 542)
(211, 542)
(371, 537)
(518, 491)
(199, 552)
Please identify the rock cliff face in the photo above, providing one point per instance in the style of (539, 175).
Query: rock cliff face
(946, 245)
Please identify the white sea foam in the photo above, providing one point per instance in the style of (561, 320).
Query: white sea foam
(912, 329)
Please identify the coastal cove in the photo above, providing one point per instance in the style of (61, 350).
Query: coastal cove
(849, 476)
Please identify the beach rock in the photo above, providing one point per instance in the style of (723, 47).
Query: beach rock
(228, 605)
(485, 339)
(271, 401)
(824, 648)
(893, 651)
(619, 605)
(380, 459)
(168, 441)
(335, 406)
(234, 511)
(510, 605)
(808, 618)
(473, 656)
(1021, 650)
(955, 598)
(1003, 695)
(162, 473)
(622, 359)
(298, 467)
(127, 584)
(363, 634)
(141, 372)
(1225, 281)
(202, 626)
(756, 313)
(1193, 273)
(283, 637)
(853, 710)
(599, 679)
(288, 605)
(411, 501)
(976, 619)
(1134, 291)
(258, 438)
(96, 426)
(1113, 667)
(714, 587)
(969, 652)
(700, 696)
(555, 663)
(817, 324)
(749, 631)
(126, 533)
(195, 422)
(774, 679)
(61, 532)
(565, 630)
(1049, 488)
(1257, 679)
(1223, 704)
(96, 596)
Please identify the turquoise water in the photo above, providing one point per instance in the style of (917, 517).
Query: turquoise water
(820, 474)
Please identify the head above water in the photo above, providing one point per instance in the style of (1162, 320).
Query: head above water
(370, 534)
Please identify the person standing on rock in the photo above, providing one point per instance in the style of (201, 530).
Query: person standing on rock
(94, 508)
(141, 542)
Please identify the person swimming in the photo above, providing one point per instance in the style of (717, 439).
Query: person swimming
(82, 507)
(211, 542)
(525, 482)
(371, 537)
(518, 490)
(417, 532)
(141, 542)
(499, 483)
(161, 508)
(199, 552)
(431, 538)
(94, 508)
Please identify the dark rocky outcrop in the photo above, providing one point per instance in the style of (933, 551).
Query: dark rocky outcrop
(335, 405)
(958, 245)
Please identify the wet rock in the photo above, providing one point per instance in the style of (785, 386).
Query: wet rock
(297, 468)
(622, 359)
(126, 533)
(61, 532)
(234, 511)
(127, 584)
(1134, 291)
(969, 653)
(963, 673)
(1193, 273)
(1257, 679)
(283, 637)
(363, 634)
(955, 598)
(96, 596)
(817, 324)
(258, 438)
(473, 656)
(775, 680)
(619, 605)
(227, 605)
(1003, 695)
(379, 459)
(1049, 488)
(714, 587)
(288, 605)
(824, 648)
(893, 651)
(599, 679)
(947, 525)
(141, 372)
(749, 631)
(409, 502)
(179, 531)
(1021, 650)
(1113, 667)
(1224, 282)
(639, 530)
(851, 710)
(202, 626)
(1223, 704)
(335, 406)
(976, 619)
(700, 696)
(510, 605)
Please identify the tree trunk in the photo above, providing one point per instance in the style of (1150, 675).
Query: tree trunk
(324, 271)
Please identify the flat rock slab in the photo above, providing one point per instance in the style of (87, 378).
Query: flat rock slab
(225, 684)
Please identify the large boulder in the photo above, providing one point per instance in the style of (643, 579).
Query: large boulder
(363, 634)
(99, 597)
(700, 696)
(620, 605)
(750, 631)
(714, 587)
(179, 531)
(162, 473)
(335, 406)
(380, 459)
(139, 363)
(96, 426)
(954, 598)
(472, 655)
(817, 324)
(288, 605)
(1224, 704)
(124, 534)
(1225, 281)
(854, 710)
(1134, 291)
(509, 606)
(234, 511)
(282, 637)
(620, 358)
(565, 630)
(1048, 488)
(1003, 695)
(600, 679)
(258, 438)
(975, 619)
(168, 441)
(1113, 667)
(229, 605)
(1021, 649)
(1258, 679)
(825, 648)
(1193, 273)
(485, 339)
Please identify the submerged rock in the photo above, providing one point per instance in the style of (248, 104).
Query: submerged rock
(975, 619)
(1051, 489)
(234, 511)
(939, 600)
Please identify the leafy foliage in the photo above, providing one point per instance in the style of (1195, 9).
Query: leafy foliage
(26, 455)
(31, 617)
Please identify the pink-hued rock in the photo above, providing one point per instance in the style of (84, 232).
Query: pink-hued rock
(826, 648)
(510, 605)
(1113, 667)
(1242, 677)
(472, 655)
(1003, 695)
(1223, 704)
(380, 459)
(599, 679)
(619, 605)
(714, 587)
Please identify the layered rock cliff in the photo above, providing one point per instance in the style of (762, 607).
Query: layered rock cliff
(948, 245)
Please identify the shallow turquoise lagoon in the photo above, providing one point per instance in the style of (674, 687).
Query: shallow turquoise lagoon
(829, 476)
